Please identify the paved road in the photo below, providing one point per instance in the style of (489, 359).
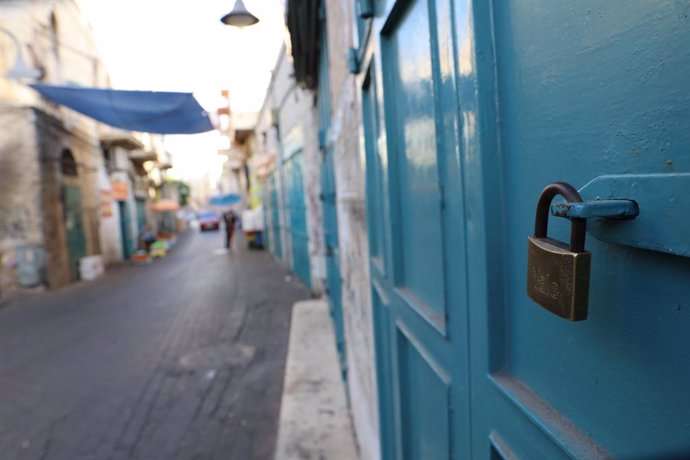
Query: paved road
(182, 359)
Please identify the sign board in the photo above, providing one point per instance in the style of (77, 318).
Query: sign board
(120, 190)
(106, 203)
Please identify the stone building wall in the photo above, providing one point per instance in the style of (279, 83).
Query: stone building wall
(89, 159)
(21, 220)
(345, 135)
(48, 135)
(62, 47)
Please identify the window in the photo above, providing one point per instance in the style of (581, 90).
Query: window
(68, 165)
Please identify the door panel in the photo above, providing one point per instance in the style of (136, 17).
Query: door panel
(415, 208)
(417, 197)
(424, 400)
(582, 90)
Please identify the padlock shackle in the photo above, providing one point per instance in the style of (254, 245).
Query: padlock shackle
(541, 224)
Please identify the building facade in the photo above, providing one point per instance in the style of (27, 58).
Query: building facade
(287, 128)
(135, 166)
(52, 214)
(69, 187)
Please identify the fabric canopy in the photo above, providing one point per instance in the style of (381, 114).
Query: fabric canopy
(225, 200)
(145, 111)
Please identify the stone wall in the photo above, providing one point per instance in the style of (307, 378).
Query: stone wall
(48, 134)
(51, 139)
(89, 159)
(20, 210)
(345, 135)
(31, 185)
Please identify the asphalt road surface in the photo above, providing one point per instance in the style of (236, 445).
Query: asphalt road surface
(181, 359)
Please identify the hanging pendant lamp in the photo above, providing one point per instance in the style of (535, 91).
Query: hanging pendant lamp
(239, 16)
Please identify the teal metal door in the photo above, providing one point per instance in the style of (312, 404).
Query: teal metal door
(470, 108)
(141, 215)
(416, 228)
(584, 91)
(298, 217)
(126, 230)
(74, 227)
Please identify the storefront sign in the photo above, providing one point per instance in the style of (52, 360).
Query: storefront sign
(120, 190)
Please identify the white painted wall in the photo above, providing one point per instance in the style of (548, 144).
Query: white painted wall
(111, 241)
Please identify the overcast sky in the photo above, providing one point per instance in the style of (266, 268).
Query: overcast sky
(181, 45)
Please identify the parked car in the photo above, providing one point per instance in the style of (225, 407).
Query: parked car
(209, 221)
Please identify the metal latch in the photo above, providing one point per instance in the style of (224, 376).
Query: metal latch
(606, 209)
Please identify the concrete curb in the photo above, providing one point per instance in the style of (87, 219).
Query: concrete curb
(314, 418)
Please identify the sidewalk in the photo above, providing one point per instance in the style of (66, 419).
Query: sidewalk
(314, 416)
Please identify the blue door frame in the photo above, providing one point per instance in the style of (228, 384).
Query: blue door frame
(469, 109)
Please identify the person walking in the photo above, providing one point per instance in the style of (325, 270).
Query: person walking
(230, 219)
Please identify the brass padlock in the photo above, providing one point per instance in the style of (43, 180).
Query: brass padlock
(557, 273)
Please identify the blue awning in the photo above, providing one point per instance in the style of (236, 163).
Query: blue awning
(225, 200)
(145, 111)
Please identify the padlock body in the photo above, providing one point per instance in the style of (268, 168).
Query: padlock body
(558, 279)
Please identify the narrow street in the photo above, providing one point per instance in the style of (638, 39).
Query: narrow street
(182, 359)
